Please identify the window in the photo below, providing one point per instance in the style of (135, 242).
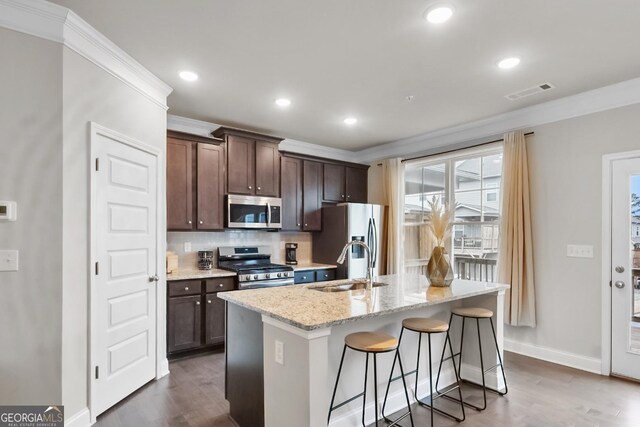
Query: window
(471, 180)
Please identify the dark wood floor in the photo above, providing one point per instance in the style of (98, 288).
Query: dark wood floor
(541, 394)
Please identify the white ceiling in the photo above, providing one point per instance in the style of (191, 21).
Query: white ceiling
(337, 58)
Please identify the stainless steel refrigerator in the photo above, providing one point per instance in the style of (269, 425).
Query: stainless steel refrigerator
(343, 223)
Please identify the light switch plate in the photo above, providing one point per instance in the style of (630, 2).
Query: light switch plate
(9, 260)
(580, 251)
(187, 246)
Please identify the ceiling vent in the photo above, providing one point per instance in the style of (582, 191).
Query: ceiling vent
(531, 91)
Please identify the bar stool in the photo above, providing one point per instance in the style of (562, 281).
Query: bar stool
(476, 313)
(370, 343)
(426, 325)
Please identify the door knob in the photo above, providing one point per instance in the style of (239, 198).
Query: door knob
(619, 284)
(154, 278)
(619, 269)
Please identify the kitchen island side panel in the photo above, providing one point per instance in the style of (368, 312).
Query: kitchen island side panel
(244, 377)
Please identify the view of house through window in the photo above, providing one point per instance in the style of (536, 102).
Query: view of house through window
(471, 183)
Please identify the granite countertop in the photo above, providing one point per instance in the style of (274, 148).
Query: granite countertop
(308, 309)
(194, 274)
(305, 266)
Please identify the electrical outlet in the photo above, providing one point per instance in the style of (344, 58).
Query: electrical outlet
(580, 251)
(8, 260)
(187, 246)
(279, 356)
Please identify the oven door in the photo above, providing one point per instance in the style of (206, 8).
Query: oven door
(266, 283)
(254, 212)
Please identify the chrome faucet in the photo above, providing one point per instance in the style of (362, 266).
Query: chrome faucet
(343, 255)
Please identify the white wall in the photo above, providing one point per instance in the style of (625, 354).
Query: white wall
(565, 163)
(92, 94)
(31, 165)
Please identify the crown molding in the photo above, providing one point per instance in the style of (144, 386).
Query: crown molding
(199, 127)
(593, 101)
(52, 22)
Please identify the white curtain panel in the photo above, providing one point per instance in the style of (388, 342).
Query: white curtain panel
(393, 191)
(515, 256)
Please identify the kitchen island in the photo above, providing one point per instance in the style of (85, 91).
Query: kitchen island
(284, 345)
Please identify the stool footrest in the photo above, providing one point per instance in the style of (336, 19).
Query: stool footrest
(395, 423)
(439, 411)
(471, 383)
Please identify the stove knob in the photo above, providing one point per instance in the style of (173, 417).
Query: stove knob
(279, 274)
(248, 278)
(267, 276)
(286, 274)
(255, 277)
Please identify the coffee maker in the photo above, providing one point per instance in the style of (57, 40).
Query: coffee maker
(290, 253)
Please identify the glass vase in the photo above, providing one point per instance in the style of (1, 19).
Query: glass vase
(439, 271)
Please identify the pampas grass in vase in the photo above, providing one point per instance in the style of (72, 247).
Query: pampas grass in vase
(439, 271)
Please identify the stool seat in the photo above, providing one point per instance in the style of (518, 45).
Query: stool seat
(425, 324)
(473, 312)
(371, 342)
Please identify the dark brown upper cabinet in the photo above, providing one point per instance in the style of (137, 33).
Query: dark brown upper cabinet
(334, 183)
(356, 184)
(253, 162)
(195, 182)
(291, 193)
(179, 184)
(311, 195)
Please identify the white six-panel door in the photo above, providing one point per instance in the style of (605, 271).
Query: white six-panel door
(123, 294)
(625, 295)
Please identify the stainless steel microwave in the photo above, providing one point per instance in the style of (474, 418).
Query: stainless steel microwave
(254, 212)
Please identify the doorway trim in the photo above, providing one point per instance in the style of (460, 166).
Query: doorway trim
(162, 363)
(607, 167)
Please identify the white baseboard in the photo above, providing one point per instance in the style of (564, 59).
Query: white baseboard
(572, 360)
(80, 419)
(163, 368)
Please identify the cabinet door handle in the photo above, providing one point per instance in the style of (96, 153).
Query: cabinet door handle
(197, 302)
(304, 277)
(200, 222)
(208, 301)
(221, 285)
(186, 288)
(189, 222)
(306, 225)
(342, 196)
(250, 187)
(298, 225)
(326, 276)
(348, 196)
(259, 188)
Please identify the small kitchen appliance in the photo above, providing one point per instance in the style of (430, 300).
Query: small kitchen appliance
(290, 253)
(205, 260)
(253, 267)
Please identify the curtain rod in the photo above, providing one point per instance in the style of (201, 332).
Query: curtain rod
(460, 149)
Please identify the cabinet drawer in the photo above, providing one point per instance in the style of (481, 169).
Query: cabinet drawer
(324, 275)
(304, 277)
(220, 284)
(184, 287)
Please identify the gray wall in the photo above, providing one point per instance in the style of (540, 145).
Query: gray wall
(92, 94)
(31, 165)
(565, 162)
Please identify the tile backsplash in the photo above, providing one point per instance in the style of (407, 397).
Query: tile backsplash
(202, 241)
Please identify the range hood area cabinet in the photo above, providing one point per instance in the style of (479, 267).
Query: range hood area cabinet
(301, 190)
(195, 182)
(253, 162)
(345, 183)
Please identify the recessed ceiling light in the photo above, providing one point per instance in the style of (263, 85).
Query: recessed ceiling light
(439, 13)
(189, 76)
(507, 63)
(350, 121)
(283, 102)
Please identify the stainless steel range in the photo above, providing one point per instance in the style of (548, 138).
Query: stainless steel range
(253, 266)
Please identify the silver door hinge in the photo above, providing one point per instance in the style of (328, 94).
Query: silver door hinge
(97, 163)
(97, 372)
(96, 268)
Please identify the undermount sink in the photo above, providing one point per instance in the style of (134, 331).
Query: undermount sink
(351, 285)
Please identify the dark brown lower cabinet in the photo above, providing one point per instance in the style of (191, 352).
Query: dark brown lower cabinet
(184, 323)
(214, 325)
(195, 314)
